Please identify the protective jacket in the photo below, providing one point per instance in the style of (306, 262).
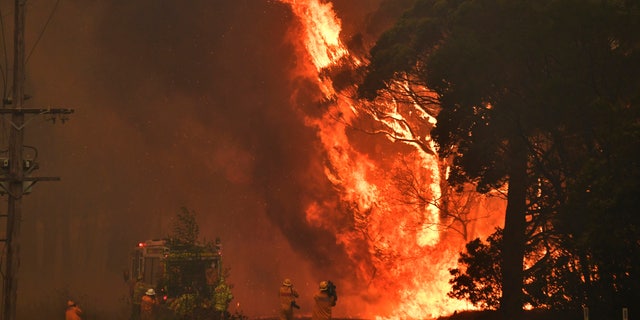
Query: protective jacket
(322, 306)
(288, 296)
(147, 308)
(73, 313)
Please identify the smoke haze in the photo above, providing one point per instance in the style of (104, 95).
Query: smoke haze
(177, 103)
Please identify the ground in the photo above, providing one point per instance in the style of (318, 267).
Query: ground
(487, 315)
(529, 315)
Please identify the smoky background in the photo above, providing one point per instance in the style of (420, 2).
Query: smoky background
(177, 104)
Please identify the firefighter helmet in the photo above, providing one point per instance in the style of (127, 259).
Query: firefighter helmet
(324, 285)
(150, 292)
(287, 282)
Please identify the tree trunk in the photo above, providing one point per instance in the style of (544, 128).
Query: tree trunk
(513, 234)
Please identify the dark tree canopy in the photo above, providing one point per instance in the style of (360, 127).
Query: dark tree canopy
(541, 97)
(185, 229)
(479, 278)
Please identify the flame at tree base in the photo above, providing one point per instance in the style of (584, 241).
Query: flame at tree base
(401, 250)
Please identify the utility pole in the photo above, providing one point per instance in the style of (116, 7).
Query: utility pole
(15, 177)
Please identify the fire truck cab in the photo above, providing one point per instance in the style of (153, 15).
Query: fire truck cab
(147, 261)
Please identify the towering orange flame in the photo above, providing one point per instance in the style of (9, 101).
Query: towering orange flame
(321, 32)
(409, 255)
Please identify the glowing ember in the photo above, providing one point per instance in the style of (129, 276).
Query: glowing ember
(409, 251)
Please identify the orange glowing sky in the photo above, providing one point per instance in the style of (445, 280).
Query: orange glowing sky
(223, 108)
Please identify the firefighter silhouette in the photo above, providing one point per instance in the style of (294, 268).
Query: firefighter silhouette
(138, 291)
(288, 297)
(73, 312)
(325, 300)
(148, 305)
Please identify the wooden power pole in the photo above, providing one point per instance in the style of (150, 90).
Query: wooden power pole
(15, 180)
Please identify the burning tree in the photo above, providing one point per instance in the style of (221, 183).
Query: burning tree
(517, 83)
(506, 82)
(456, 205)
(404, 111)
(400, 228)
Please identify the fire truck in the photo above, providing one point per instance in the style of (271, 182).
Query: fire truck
(177, 268)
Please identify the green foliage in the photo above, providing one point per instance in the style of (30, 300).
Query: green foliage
(222, 296)
(185, 305)
(185, 277)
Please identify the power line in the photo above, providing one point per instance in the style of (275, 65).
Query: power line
(42, 31)
(15, 178)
